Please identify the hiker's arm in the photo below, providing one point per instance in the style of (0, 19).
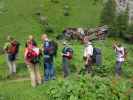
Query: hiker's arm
(6, 46)
(67, 54)
(115, 46)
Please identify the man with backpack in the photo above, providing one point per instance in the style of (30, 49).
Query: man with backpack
(121, 54)
(32, 57)
(67, 54)
(49, 50)
(88, 53)
(11, 49)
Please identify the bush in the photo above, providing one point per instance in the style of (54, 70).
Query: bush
(49, 29)
(66, 10)
(101, 70)
(88, 88)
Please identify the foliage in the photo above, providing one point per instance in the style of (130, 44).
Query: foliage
(48, 28)
(102, 71)
(108, 13)
(130, 29)
(118, 22)
(87, 88)
(121, 23)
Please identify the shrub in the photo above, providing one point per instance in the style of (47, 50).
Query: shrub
(89, 88)
(48, 29)
(66, 10)
(101, 70)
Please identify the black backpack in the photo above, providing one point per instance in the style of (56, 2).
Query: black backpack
(96, 51)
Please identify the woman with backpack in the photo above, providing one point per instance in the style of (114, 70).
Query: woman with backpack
(11, 49)
(31, 57)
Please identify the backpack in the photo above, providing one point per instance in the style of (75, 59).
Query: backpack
(125, 53)
(32, 56)
(96, 51)
(14, 48)
(70, 50)
(49, 48)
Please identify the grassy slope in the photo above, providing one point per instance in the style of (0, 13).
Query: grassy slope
(18, 17)
(8, 88)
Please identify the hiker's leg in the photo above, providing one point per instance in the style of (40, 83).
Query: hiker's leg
(32, 75)
(9, 64)
(118, 68)
(46, 74)
(89, 69)
(14, 67)
(38, 75)
(52, 73)
(65, 67)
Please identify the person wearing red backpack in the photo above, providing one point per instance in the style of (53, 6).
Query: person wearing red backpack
(32, 57)
(67, 54)
(11, 49)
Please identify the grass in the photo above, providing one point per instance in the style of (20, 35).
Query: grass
(9, 88)
(18, 17)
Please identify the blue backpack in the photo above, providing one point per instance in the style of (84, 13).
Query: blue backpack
(48, 48)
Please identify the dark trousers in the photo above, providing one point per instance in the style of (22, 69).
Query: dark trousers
(66, 64)
(88, 66)
(118, 68)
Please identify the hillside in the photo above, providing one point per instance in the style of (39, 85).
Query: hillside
(18, 18)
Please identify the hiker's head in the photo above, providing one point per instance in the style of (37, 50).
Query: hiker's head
(29, 44)
(9, 38)
(44, 37)
(31, 37)
(119, 44)
(86, 39)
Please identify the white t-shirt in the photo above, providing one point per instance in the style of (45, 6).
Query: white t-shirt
(88, 51)
(120, 54)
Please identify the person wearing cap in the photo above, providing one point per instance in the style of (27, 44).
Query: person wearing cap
(47, 49)
(67, 54)
(120, 57)
(88, 53)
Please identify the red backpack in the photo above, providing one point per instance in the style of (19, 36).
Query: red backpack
(31, 54)
(13, 49)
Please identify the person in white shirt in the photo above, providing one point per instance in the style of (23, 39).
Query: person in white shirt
(120, 57)
(88, 53)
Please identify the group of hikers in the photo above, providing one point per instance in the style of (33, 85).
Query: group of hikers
(48, 51)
